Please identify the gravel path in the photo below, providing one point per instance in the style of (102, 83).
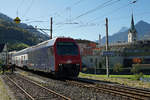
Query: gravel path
(5, 94)
(19, 95)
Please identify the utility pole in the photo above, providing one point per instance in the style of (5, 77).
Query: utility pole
(51, 28)
(107, 58)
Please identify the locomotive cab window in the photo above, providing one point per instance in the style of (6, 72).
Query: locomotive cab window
(67, 48)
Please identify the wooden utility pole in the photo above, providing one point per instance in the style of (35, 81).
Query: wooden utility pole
(51, 28)
(107, 59)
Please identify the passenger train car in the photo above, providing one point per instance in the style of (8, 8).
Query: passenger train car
(60, 56)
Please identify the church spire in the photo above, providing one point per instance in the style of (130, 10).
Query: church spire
(132, 23)
(132, 34)
(132, 28)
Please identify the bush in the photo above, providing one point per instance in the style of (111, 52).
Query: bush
(135, 69)
(84, 69)
(138, 76)
(118, 68)
(1, 65)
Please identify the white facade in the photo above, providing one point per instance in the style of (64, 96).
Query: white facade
(132, 33)
(132, 37)
(4, 55)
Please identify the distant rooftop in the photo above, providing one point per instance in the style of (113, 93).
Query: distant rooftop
(84, 41)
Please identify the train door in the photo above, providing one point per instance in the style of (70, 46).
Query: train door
(21, 61)
(51, 61)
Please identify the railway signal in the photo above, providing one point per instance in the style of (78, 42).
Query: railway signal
(17, 20)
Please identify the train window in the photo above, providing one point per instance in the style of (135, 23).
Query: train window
(66, 48)
(96, 60)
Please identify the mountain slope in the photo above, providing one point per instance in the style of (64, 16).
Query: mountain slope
(10, 33)
(30, 28)
(16, 34)
(143, 30)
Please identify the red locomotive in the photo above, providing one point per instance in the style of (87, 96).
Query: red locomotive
(60, 56)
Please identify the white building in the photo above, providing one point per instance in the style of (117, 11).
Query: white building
(132, 34)
(3, 53)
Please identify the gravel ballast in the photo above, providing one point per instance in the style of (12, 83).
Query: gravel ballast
(72, 91)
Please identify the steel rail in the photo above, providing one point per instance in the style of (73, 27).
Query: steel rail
(138, 92)
(146, 92)
(20, 88)
(62, 96)
(114, 90)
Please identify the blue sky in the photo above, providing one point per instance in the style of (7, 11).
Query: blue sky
(88, 14)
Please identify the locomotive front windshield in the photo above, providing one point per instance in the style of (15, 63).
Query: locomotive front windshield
(66, 48)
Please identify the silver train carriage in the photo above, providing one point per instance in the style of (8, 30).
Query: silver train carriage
(60, 56)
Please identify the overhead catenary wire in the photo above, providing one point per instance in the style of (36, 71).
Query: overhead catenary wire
(79, 1)
(66, 8)
(111, 12)
(117, 18)
(28, 8)
(114, 19)
(38, 21)
(92, 25)
(85, 24)
(102, 5)
(76, 3)
(105, 4)
(69, 9)
(88, 24)
(20, 4)
(115, 11)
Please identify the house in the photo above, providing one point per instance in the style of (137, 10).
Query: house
(3, 53)
(89, 53)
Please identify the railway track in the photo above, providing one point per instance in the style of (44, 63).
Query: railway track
(34, 90)
(75, 92)
(124, 92)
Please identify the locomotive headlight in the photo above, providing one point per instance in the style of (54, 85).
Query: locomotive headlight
(60, 64)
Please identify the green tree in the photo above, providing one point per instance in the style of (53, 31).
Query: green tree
(118, 67)
(136, 71)
(22, 46)
(12, 34)
(1, 63)
(17, 46)
(135, 68)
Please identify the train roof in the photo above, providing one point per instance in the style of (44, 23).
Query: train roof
(47, 43)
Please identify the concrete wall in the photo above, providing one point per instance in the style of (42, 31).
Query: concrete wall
(99, 61)
(114, 60)
(91, 61)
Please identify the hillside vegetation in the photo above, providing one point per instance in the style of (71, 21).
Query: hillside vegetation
(17, 38)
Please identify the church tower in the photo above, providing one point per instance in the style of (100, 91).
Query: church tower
(132, 33)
